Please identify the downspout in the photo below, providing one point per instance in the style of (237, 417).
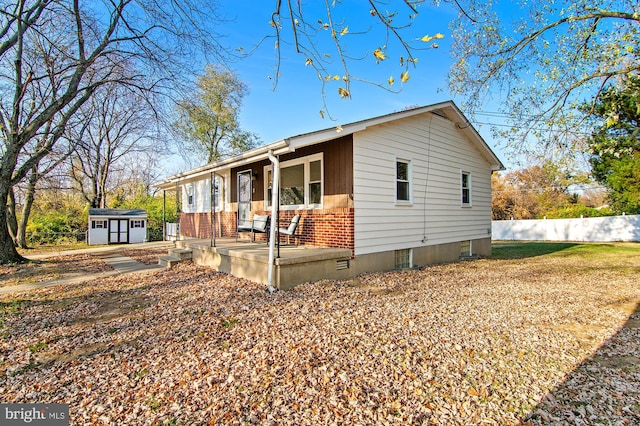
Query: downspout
(275, 196)
(278, 224)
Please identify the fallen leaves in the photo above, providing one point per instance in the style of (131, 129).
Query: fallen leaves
(51, 269)
(144, 256)
(466, 343)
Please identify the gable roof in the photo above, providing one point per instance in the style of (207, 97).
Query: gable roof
(118, 212)
(447, 109)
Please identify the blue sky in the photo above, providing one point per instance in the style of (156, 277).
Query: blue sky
(293, 106)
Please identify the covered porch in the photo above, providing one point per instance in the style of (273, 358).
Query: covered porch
(293, 265)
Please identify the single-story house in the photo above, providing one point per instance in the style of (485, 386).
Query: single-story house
(116, 226)
(399, 190)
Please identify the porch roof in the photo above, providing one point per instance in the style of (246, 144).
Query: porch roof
(446, 109)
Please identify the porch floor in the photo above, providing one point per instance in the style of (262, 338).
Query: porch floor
(247, 259)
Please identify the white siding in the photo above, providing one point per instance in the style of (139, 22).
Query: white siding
(138, 235)
(97, 236)
(201, 190)
(438, 154)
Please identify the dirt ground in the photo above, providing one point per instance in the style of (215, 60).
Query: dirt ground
(548, 335)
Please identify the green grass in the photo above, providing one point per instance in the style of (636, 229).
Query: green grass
(592, 251)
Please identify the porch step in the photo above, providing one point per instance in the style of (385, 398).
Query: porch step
(180, 253)
(175, 256)
(168, 261)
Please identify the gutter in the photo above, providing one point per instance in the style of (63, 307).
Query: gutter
(251, 156)
(275, 193)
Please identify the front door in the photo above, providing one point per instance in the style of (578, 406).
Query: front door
(244, 198)
(118, 231)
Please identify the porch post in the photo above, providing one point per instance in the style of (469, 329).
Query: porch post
(211, 208)
(278, 218)
(275, 191)
(215, 209)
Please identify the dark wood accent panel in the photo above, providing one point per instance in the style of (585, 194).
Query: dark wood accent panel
(338, 168)
(257, 170)
(338, 163)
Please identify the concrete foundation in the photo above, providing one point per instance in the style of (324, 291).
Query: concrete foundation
(297, 265)
(422, 256)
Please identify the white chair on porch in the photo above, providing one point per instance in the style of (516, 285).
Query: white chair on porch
(290, 231)
(258, 225)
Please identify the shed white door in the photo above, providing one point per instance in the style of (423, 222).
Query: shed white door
(118, 231)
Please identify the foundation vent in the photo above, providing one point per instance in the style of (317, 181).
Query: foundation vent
(342, 264)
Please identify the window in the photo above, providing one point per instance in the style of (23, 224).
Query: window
(403, 185)
(189, 194)
(466, 188)
(99, 224)
(403, 259)
(300, 183)
(315, 182)
(465, 248)
(292, 185)
(137, 223)
(217, 193)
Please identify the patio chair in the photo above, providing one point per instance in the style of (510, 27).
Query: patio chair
(259, 224)
(290, 231)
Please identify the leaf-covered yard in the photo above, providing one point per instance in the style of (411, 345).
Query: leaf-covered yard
(482, 342)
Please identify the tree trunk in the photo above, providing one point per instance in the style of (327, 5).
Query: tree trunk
(12, 220)
(8, 252)
(21, 241)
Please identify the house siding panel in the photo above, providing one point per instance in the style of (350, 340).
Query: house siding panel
(338, 168)
(438, 153)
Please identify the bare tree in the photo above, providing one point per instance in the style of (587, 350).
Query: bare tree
(542, 61)
(116, 123)
(30, 185)
(54, 54)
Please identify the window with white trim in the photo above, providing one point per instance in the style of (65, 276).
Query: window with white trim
(189, 190)
(98, 224)
(465, 189)
(301, 183)
(136, 223)
(403, 181)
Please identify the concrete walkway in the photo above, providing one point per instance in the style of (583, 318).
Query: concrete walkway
(109, 254)
(103, 249)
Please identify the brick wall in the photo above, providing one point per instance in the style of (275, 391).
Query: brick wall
(198, 225)
(322, 228)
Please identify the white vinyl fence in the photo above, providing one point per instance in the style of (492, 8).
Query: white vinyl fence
(590, 229)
